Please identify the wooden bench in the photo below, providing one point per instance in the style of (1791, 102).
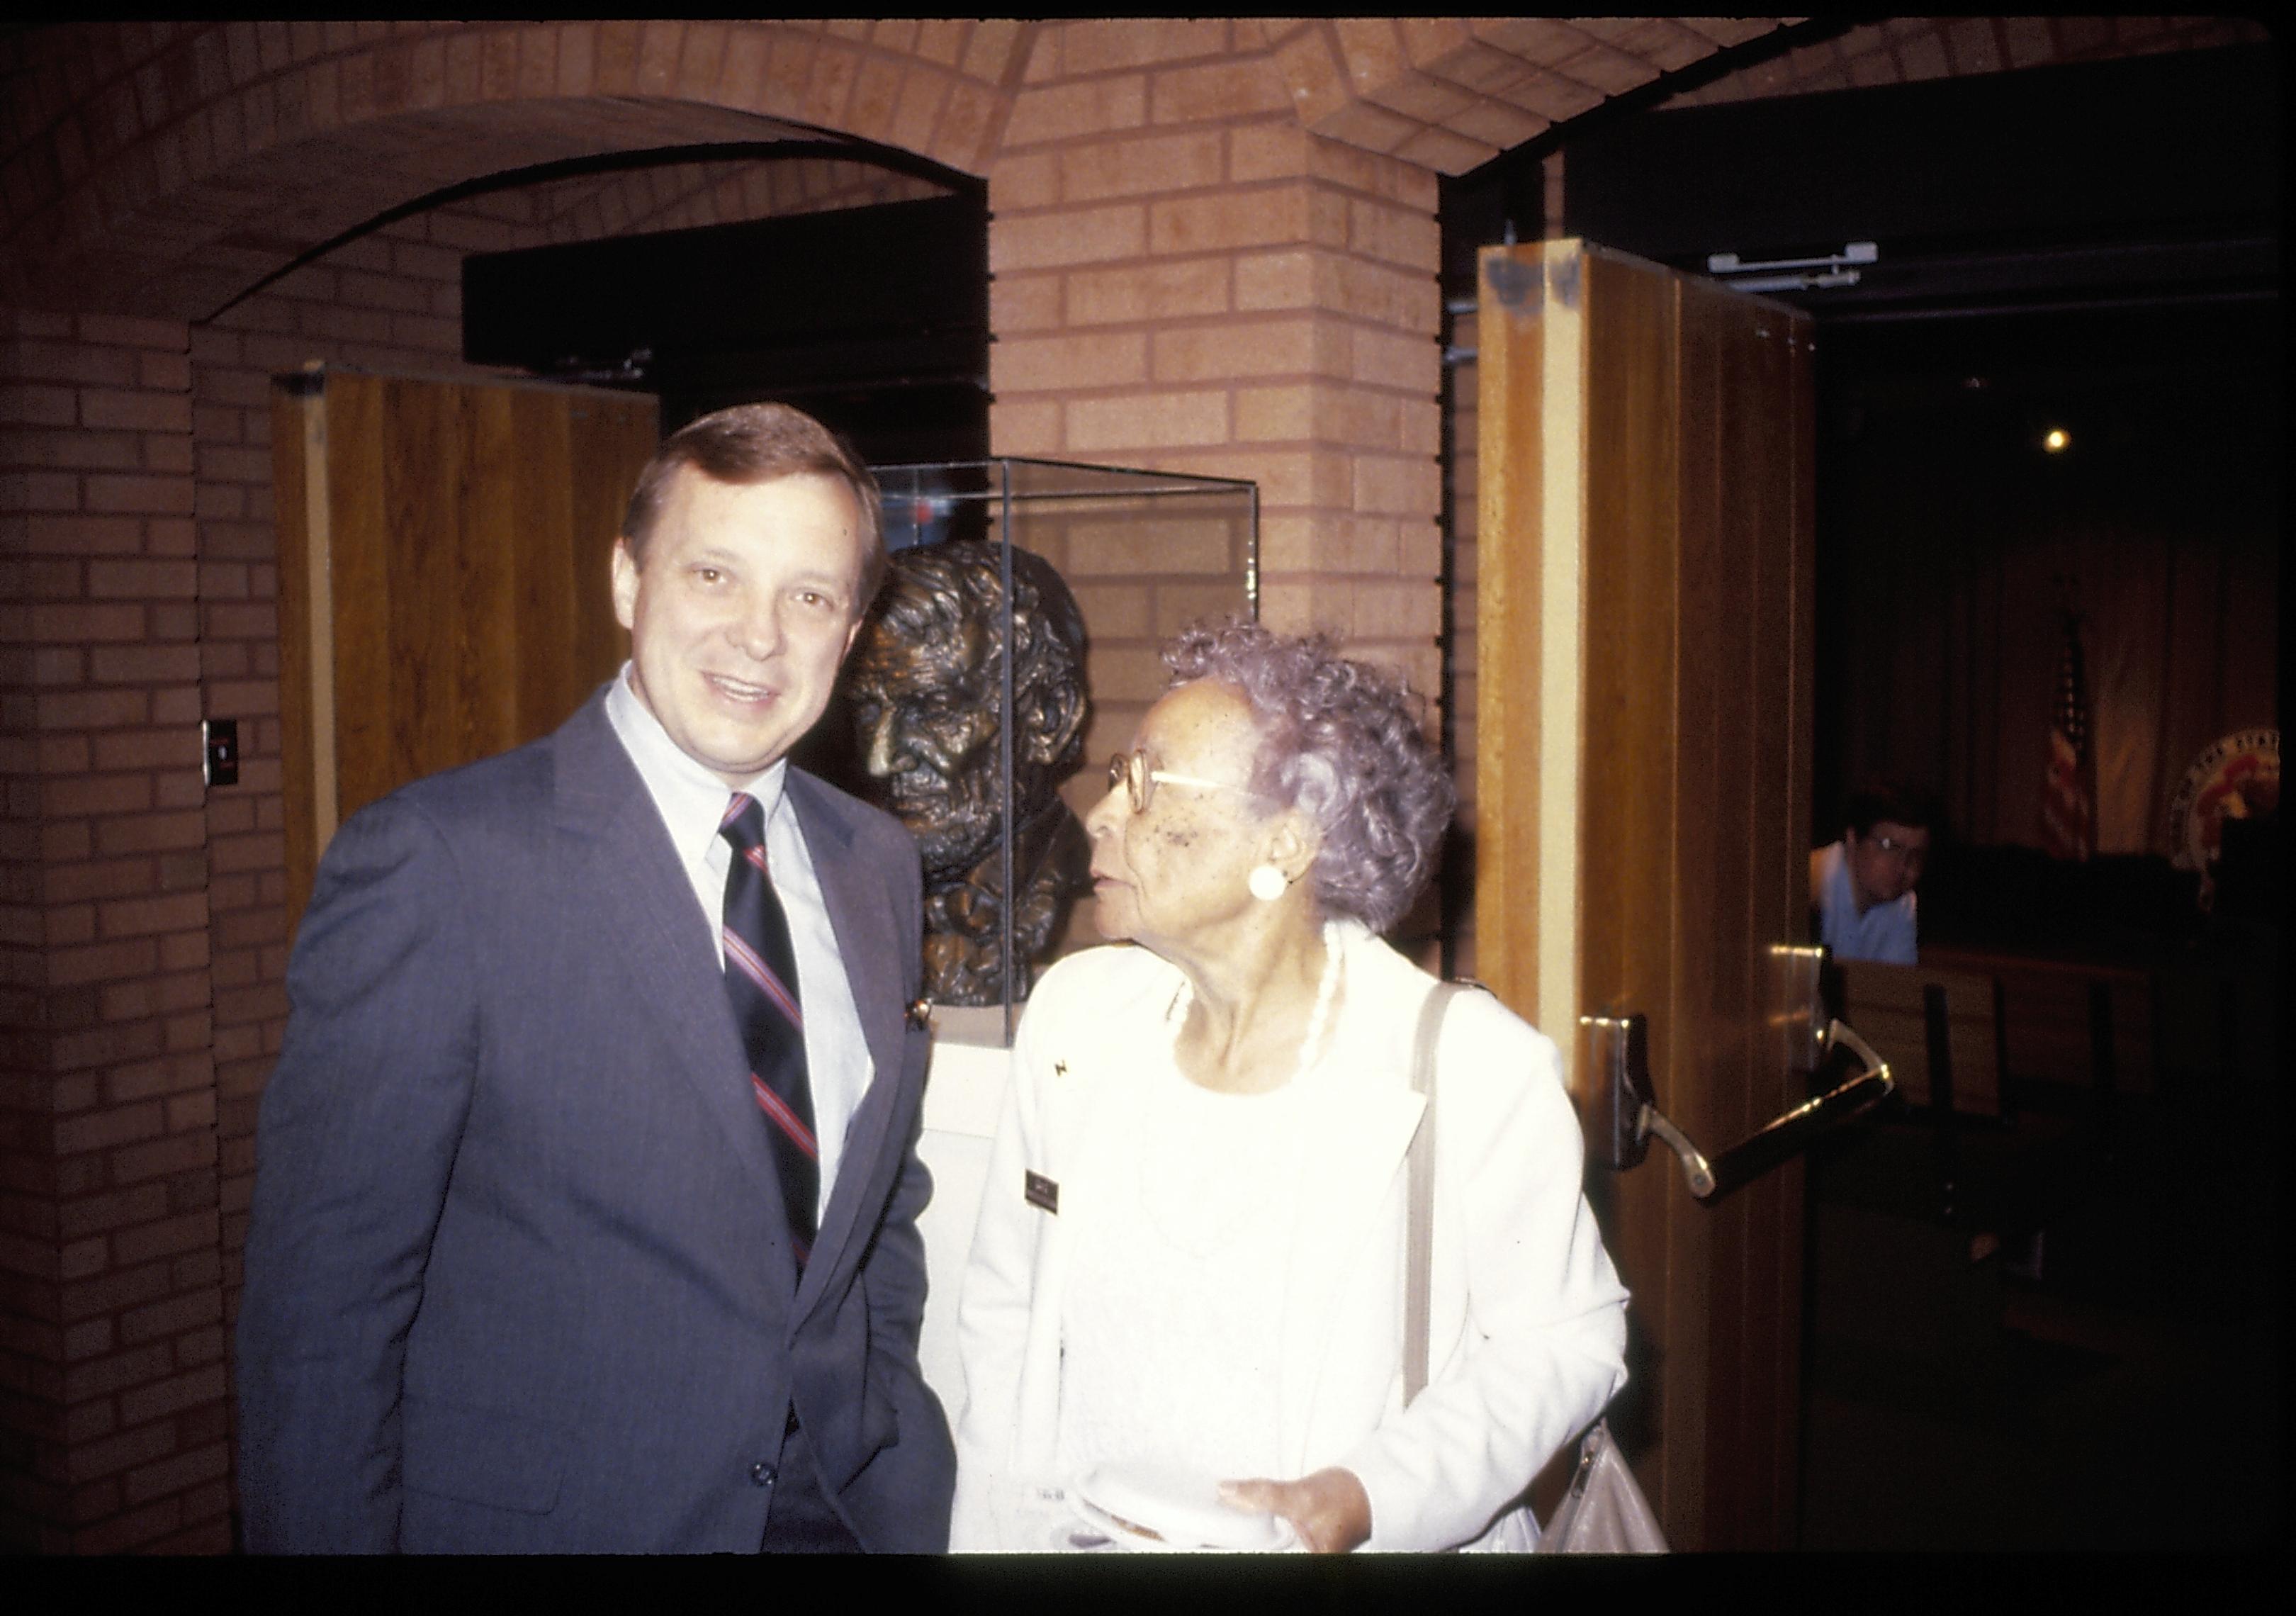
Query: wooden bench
(1940, 1030)
(2070, 1022)
(2017, 1069)
(2073, 1031)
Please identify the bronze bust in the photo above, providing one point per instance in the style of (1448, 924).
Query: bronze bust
(924, 686)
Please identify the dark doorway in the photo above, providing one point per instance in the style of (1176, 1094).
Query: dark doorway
(2029, 1361)
(1980, 476)
(874, 319)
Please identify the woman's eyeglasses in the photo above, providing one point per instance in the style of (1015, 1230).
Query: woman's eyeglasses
(1131, 772)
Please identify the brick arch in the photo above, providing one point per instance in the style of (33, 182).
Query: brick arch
(1450, 93)
(168, 167)
(152, 167)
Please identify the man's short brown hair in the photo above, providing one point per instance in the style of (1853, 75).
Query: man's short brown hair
(1874, 801)
(754, 443)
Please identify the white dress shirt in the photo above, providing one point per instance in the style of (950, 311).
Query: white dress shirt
(692, 801)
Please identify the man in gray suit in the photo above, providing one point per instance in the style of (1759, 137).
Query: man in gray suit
(544, 1255)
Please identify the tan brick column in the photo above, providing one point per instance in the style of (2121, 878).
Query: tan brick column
(112, 1424)
(1186, 280)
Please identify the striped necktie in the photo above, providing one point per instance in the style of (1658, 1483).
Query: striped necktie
(761, 983)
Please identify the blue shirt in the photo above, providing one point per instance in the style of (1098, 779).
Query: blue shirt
(1883, 932)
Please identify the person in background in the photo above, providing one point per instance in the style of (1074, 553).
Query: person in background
(1189, 1252)
(1862, 886)
(587, 1185)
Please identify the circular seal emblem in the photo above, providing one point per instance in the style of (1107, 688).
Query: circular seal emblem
(2237, 777)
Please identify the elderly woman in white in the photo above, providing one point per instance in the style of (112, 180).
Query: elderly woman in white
(1190, 1249)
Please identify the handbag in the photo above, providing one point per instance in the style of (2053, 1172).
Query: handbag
(1605, 1513)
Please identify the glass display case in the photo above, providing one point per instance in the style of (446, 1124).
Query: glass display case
(1012, 651)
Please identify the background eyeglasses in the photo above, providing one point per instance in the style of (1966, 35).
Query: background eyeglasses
(1130, 771)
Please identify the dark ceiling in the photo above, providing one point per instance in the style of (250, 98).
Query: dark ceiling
(2034, 189)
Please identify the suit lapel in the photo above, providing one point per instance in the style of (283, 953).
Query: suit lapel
(617, 848)
(868, 945)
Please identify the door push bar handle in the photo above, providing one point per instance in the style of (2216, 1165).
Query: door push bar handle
(1621, 1113)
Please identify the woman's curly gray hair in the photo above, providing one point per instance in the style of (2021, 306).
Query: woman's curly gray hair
(1340, 740)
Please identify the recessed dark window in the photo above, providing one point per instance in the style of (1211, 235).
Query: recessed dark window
(874, 319)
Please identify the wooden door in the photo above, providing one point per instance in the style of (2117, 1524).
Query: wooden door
(1643, 719)
(443, 567)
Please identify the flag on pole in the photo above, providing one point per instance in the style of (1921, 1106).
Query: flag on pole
(2069, 794)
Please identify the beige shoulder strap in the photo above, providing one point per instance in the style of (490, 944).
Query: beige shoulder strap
(1419, 1230)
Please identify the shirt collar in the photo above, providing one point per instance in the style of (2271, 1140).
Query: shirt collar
(692, 798)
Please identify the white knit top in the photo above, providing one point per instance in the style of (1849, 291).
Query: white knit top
(1170, 1325)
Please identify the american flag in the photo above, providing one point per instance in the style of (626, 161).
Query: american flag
(2068, 797)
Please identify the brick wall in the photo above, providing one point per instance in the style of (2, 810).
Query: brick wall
(686, 195)
(1185, 280)
(113, 1310)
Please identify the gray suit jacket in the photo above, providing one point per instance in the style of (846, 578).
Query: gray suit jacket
(517, 1276)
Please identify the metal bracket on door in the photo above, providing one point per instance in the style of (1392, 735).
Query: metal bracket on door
(1622, 1112)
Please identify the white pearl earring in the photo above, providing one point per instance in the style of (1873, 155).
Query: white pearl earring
(1266, 882)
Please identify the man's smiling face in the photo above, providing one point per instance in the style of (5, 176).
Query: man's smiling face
(743, 608)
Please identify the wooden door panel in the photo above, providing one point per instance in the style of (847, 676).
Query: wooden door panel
(487, 597)
(426, 490)
(1753, 487)
(1720, 583)
(444, 576)
(1675, 753)
(1633, 841)
(350, 547)
(537, 444)
(1510, 696)
(603, 457)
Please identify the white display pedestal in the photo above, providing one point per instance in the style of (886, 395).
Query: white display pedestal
(964, 1097)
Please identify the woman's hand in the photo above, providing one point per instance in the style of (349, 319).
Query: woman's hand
(1330, 1509)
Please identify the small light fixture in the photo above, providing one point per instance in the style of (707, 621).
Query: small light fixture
(2056, 441)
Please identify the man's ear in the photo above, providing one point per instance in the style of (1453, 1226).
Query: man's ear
(625, 578)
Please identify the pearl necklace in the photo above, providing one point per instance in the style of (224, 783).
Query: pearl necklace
(1326, 990)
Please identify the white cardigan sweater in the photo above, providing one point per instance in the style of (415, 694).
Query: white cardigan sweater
(1528, 1318)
